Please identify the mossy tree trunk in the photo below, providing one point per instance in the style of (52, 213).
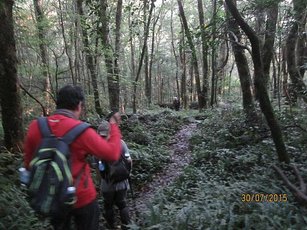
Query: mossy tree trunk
(11, 109)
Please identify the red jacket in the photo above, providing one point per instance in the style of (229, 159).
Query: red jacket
(89, 142)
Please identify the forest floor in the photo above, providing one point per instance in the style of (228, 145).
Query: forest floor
(180, 157)
(190, 171)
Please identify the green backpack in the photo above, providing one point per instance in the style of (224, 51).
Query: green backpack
(51, 188)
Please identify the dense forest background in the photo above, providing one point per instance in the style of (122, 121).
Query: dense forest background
(237, 68)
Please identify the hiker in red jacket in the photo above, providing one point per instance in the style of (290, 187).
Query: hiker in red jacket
(69, 104)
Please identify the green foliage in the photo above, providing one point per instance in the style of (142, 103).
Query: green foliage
(15, 212)
(147, 137)
(209, 193)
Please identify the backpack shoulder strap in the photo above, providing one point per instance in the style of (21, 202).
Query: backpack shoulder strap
(44, 126)
(72, 134)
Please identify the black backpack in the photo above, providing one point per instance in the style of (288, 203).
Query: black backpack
(117, 171)
(51, 188)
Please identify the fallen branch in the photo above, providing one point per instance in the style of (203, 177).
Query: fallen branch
(299, 193)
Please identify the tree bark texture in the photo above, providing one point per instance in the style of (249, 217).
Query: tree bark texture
(90, 60)
(204, 52)
(67, 46)
(242, 66)
(183, 77)
(115, 94)
(194, 57)
(298, 87)
(263, 96)
(269, 39)
(143, 52)
(11, 109)
(41, 31)
(109, 55)
(213, 57)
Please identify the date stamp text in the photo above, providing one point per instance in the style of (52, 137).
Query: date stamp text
(264, 197)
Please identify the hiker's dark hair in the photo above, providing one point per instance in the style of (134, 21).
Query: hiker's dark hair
(69, 97)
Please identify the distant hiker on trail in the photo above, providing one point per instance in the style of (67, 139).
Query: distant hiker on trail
(114, 182)
(85, 212)
(176, 103)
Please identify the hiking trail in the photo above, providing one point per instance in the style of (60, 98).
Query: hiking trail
(180, 157)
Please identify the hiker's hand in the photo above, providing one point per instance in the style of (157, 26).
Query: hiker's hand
(115, 119)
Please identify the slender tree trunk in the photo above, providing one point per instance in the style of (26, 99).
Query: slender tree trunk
(177, 73)
(148, 81)
(132, 48)
(269, 40)
(183, 65)
(242, 66)
(66, 44)
(90, 60)
(11, 109)
(115, 95)
(40, 21)
(113, 80)
(146, 54)
(204, 51)
(263, 96)
(152, 5)
(194, 57)
(213, 57)
(298, 87)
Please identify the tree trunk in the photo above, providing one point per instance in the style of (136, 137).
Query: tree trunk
(113, 79)
(204, 51)
(263, 96)
(269, 40)
(115, 94)
(40, 21)
(183, 78)
(242, 66)
(177, 59)
(152, 5)
(90, 60)
(213, 57)
(132, 47)
(298, 87)
(194, 57)
(66, 44)
(11, 109)
(146, 55)
(148, 81)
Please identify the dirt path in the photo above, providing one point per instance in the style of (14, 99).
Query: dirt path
(180, 157)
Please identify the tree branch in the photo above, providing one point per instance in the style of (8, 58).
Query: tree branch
(30, 95)
(296, 192)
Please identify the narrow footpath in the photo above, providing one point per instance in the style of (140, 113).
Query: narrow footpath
(179, 159)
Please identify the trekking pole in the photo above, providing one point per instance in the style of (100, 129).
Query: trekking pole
(131, 189)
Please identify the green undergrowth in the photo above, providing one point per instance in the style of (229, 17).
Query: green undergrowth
(15, 212)
(230, 159)
(147, 137)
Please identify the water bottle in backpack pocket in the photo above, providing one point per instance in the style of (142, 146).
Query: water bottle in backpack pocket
(24, 176)
(51, 189)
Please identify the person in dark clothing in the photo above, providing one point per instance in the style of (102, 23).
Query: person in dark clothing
(114, 193)
(176, 103)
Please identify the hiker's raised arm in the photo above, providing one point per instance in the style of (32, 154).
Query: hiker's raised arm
(108, 150)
